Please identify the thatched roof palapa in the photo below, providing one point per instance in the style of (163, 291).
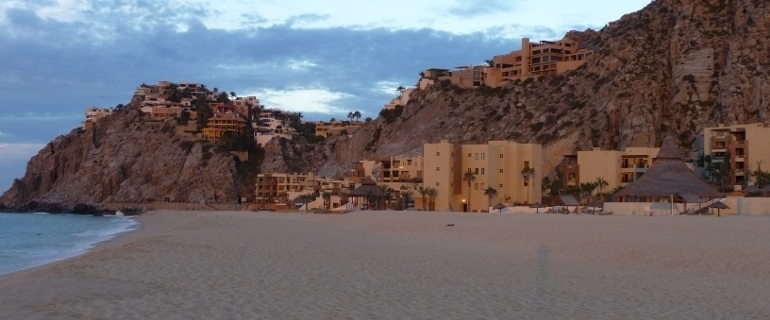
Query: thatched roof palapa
(368, 188)
(668, 176)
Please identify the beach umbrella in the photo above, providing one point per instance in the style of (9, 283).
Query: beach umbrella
(719, 205)
(537, 206)
(500, 207)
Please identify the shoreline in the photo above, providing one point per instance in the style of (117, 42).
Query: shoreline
(145, 227)
(182, 265)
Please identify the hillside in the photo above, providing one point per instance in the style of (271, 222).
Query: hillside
(124, 159)
(670, 68)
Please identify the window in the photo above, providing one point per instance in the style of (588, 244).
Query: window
(501, 170)
(501, 185)
(483, 156)
(438, 168)
(476, 171)
(409, 162)
(477, 156)
(437, 184)
(482, 186)
(470, 155)
(438, 153)
(476, 186)
(526, 164)
(526, 181)
(501, 156)
(482, 171)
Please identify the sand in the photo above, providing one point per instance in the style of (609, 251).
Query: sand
(397, 265)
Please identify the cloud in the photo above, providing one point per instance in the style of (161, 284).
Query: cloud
(18, 151)
(306, 100)
(475, 8)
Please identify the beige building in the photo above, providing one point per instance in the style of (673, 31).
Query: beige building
(335, 128)
(219, 124)
(534, 59)
(744, 146)
(93, 114)
(401, 169)
(618, 168)
(497, 164)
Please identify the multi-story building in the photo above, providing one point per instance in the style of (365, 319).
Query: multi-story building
(361, 170)
(742, 146)
(544, 58)
(219, 124)
(498, 164)
(401, 169)
(617, 168)
(335, 128)
(402, 99)
(570, 171)
(93, 114)
(283, 187)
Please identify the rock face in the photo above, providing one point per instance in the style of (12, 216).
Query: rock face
(123, 159)
(670, 68)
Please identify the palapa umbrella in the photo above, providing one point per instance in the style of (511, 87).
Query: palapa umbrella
(719, 205)
(500, 207)
(537, 206)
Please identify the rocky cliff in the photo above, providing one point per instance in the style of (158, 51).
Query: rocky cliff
(670, 68)
(124, 159)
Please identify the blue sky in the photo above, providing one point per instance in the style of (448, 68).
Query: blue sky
(324, 58)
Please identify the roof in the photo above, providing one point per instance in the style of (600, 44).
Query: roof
(367, 190)
(227, 116)
(669, 175)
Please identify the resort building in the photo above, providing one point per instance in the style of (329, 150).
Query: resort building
(335, 128)
(401, 100)
(544, 58)
(220, 124)
(401, 169)
(93, 114)
(283, 187)
(742, 146)
(499, 165)
(267, 127)
(617, 168)
(360, 170)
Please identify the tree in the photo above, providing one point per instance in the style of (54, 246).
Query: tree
(601, 183)
(388, 195)
(528, 173)
(432, 194)
(469, 177)
(368, 119)
(350, 116)
(327, 196)
(585, 190)
(761, 177)
(357, 115)
(423, 193)
(406, 196)
(490, 193)
(306, 199)
(232, 94)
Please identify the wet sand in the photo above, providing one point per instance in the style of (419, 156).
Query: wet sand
(396, 265)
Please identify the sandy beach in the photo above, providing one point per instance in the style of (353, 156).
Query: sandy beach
(397, 265)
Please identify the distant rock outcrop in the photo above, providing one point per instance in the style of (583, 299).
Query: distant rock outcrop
(123, 159)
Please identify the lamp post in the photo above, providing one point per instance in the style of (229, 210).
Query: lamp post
(464, 208)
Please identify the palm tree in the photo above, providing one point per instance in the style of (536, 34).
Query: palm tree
(490, 193)
(368, 119)
(357, 115)
(585, 189)
(528, 173)
(469, 177)
(601, 183)
(350, 116)
(232, 94)
(423, 192)
(388, 195)
(405, 197)
(432, 194)
(327, 196)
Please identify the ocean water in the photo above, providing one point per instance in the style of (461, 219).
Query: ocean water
(30, 240)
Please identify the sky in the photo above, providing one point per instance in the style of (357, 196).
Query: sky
(322, 58)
